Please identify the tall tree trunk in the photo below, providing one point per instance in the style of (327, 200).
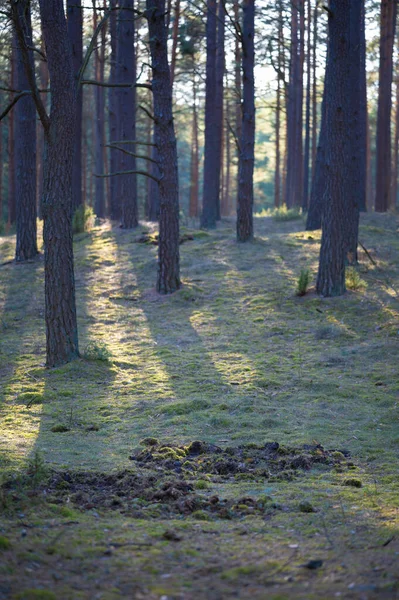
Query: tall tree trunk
(1, 175)
(245, 230)
(114, 117)
(314, 90)
(43, 77)
(356, 161)
(75, 33)
(11, 144)
(306, 162)
(220, 69)
(168, 279)
(331, 275)
(154, 198)
(238, 85)
(383, 147)
(396, 139)
(99, 202)
(25, 145)
(226, 208)
(194, 168)
(60, 307)
(127, 111)
(280, 40)
(211, 185)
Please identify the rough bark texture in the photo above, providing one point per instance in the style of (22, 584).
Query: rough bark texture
(75, 33)
(314, 90)
(99, 130)
(168, 280)
(238, 84)
(127, 112)
(43, 76)
(245, 230)
(293, 188)
(277, 173)
(331, 275)
(25, 145)
(306, 159)
(356, 162)
(211, 185)
(11, 144)
(114, 201)
(383, 147)
(220, 69)
(396, 142)
(61, 324)
(153, 187)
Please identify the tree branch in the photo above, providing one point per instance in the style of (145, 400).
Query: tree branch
(143, 156)
(147, 112)
(148, 86)
(12, 103)
(139, 143)
(129, 173)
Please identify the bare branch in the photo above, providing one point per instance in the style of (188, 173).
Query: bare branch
(143, 156)
(234, 135)
(147, 112)
(148, 86)
(139, 143)
(129, 173)
(12, 103)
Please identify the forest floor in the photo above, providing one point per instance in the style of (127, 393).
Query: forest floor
(232, 440)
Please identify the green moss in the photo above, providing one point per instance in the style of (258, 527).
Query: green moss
(5, 543)
(33, 594)
(352, 482)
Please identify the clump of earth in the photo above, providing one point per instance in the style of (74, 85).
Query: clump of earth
(170, 480)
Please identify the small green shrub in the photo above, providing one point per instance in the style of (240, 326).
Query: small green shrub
(353, 280)
(303, 282)
(97, 351)
(37, 470)
(286, 214)
(83, 219)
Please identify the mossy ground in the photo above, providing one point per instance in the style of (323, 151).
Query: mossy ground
(234, 357)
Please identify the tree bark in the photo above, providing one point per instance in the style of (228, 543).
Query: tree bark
(194, 168)
(383, 147)
(306, 161)
(245, 230)
(75, 33)
(314, 90)
(396, 139)
(99, 130)
(211, 185)
(25, 145)
(127, 111)
(175, 35)
(11, 145)
(220, 70)
(331, 274)
(168, 279)
(114, 155)
(238, 86)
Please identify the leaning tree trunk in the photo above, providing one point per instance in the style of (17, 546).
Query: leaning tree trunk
(383, 147)
(168, 280)
(127, 112)
(245, 230)
(25, 145)
(331, 274)
(210, 185)
(75, 33)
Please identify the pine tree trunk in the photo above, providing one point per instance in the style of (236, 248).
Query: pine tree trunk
(396, 139)
(60, 310)
(383, 147)
(238, 86)
(11, 144)
(25, 146)
(194, 168)
(211, 185)
(314, 91)
(113, 115)
(127, 111)
(306, 163)
(175, 36)
(220, 69)
(331, 275)
(99, 131)
(277, 175)
(245, 230)
(75, 33)
(43, 76)
(168, 280)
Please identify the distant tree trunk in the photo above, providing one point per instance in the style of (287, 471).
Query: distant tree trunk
(211, 185)
(277, 176)
(220, 70)
(25, 145)
(175, 36)
(114, 155)
(194, 169)
(99, 131)
(127, 111)
(43, 77)
(245, 230)
(320, 173)
(383, 147)
(356, 161)
(238, 85)
(226, 208)
(11, 145)
(331, 275)
(314, 90)
(60, 308)
(168, 280)
(306, 162)
(293, 187)
(75, 33)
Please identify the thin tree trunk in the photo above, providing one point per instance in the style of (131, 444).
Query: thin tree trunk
(383, 147)
(175, 35)
(127, 111)
(396, 138)
(168, 279)
(43, 76)
(99, 202)
(194, 169)
(314, 90)
(25, 145)
(238, 86)
(75, 33)
(220, 69)
(11, 145)
(210, 185)
(247, 143)
(227, 209)
(277, 177)
(306, 163)
(114, 155)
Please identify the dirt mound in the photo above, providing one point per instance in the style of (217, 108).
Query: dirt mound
(168, 480)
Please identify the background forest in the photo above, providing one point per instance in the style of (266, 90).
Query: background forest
(199, 315)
